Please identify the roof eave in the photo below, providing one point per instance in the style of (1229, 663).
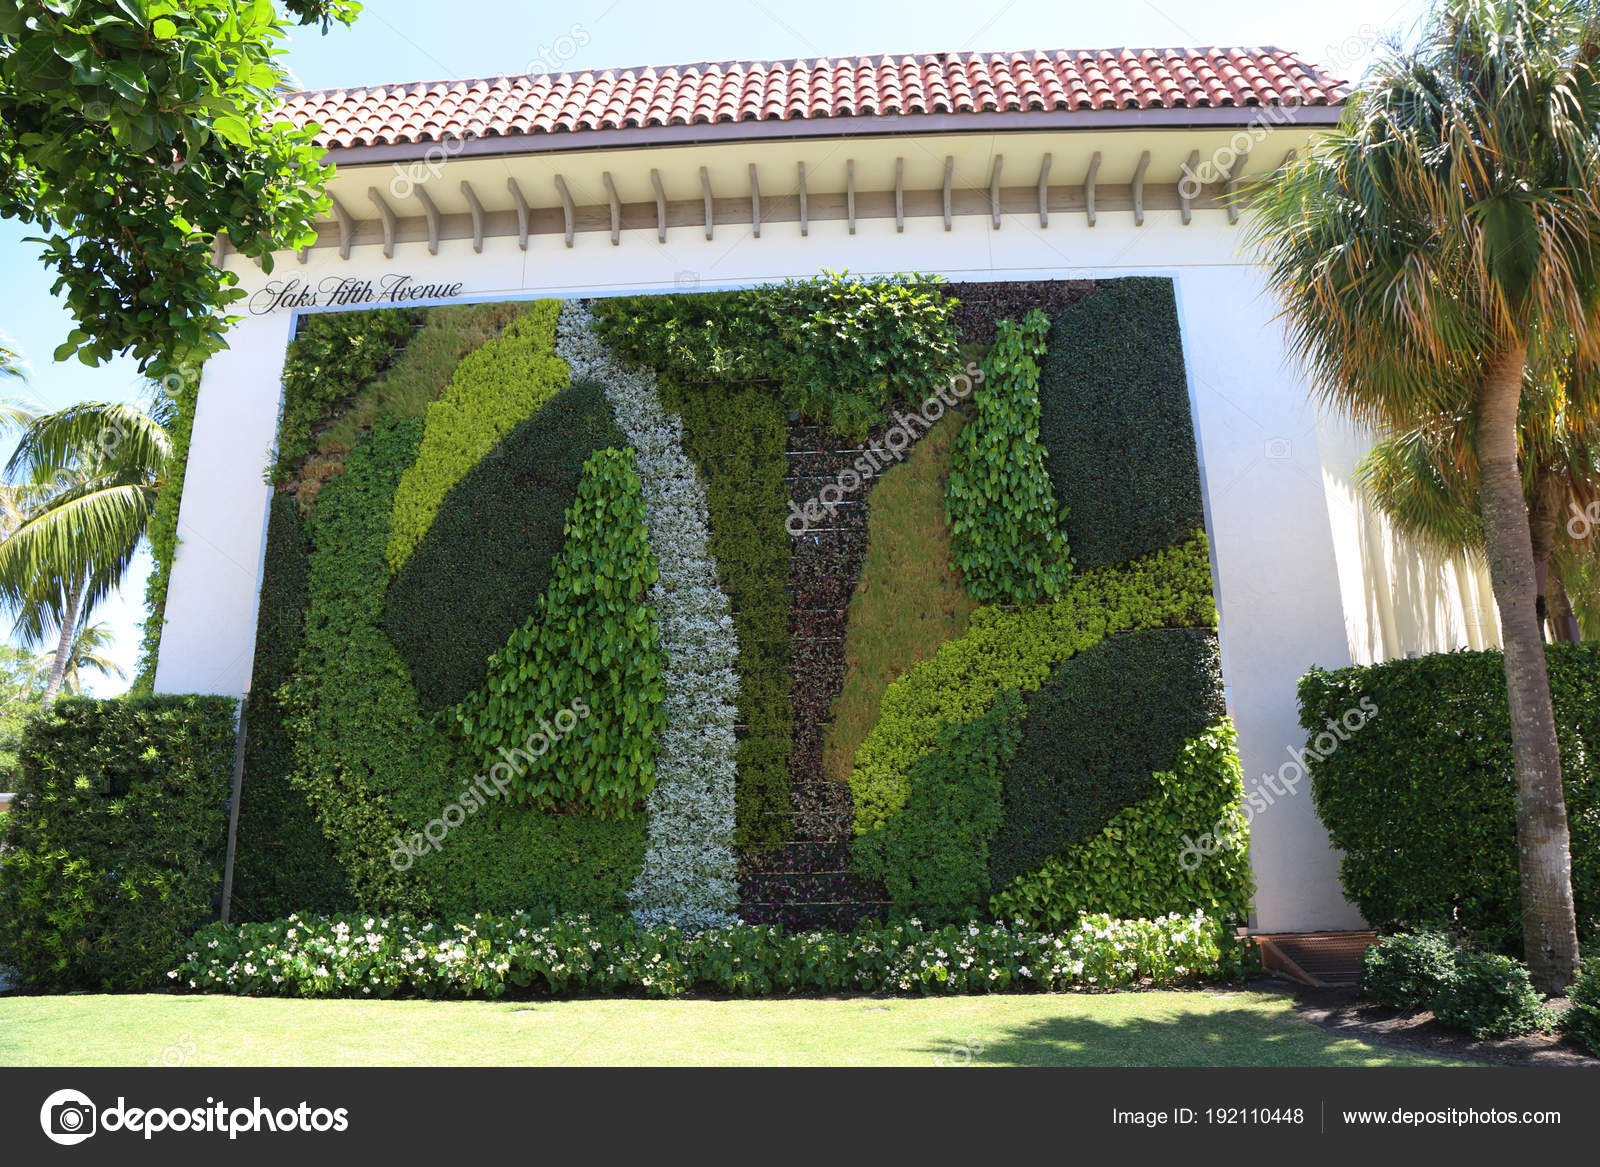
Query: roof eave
(1272, 116)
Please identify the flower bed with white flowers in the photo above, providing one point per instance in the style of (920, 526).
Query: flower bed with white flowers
(517, 954)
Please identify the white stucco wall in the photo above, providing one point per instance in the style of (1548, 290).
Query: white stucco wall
(1285, 587)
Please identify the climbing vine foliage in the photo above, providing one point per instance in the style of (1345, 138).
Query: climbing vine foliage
(573, 702)
(1005, 524)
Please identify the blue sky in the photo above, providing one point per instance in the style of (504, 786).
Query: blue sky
(416, 40)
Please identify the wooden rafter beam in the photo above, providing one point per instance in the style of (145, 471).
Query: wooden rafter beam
(805, 218)
(616, 207)
(949, 173)
(994, 189)
(661, 205)
(432, 214)
(522, 212)
(850, 193)
(1189, 187)
(387, 216)
(1138, 188)
(705, 192)
(1234, 174)
(567, 209)
(1044, 191)
(347, 227)
(900, 195)
(755, 202)
(477, 214)
(1089, 181)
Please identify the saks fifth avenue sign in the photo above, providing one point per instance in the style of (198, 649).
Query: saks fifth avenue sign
(345, 292)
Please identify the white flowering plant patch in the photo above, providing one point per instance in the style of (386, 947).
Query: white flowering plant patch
(688, 876)
(520, 955)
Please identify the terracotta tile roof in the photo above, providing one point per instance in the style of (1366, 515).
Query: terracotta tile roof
(763, 91)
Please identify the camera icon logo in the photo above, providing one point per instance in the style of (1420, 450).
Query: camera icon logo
(1278, 449)
(68, 1117)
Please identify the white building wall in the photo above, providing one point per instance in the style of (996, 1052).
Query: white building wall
(1286, 587)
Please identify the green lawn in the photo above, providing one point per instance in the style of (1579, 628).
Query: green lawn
(1201, 1028)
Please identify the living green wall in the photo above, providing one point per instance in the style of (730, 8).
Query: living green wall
(485, 514)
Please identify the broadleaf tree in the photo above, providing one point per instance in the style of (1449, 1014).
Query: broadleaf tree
(134, 133)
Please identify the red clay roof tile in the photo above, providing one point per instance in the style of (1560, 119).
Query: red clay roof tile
(882, 86)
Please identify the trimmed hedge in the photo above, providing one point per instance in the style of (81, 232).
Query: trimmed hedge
(1017, 649)
(1422, 798)
(284, 863)
(934, 856)
(115, 842)
(1095, 735)
(1144, 862)
(334, 354)
(591, 650)
(492, 389)
(1116, 423)
(1005, 526)
(524, 954)
(485, 562)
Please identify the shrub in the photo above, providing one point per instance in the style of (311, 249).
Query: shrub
(1146, 862)
(1490, 996)
(1005, 525)
(1582, 1018)
(1016, 649)
(592, 650)
(1422, 799)
(1406, 970)
(115, 842)
(486, 560)
(909, 599)
(493, 388)
(934, 856)
(1095, 735)
(688, 874)
(334, 354)
(1116, 423)
(284, 862)
(523, 955)
(835, 348)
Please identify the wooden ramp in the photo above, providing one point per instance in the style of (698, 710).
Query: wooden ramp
(1320, 959)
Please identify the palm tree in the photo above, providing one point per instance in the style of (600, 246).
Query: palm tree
(1426, 481)
(1432, 253)
(89, 653)
(83, 485)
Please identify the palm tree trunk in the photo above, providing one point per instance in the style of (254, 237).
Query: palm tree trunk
(1542, 521)
(1549, 930)
(1564, 619)
(58, 665)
